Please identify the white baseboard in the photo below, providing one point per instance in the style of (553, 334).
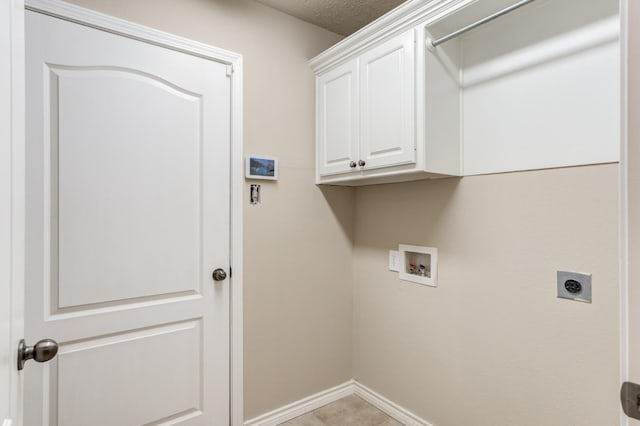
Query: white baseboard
(303, 406)
(399, 413)
(306, 405)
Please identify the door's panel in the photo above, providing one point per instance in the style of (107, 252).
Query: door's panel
(126, 227)
(338, 119)
(158, 374)
(387, 74)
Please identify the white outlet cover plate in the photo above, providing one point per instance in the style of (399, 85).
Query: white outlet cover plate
(394, 260)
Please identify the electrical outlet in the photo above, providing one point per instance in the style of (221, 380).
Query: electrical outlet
(394, 260)
(574, 286)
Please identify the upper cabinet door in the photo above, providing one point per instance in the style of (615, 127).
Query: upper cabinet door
(387, 103)
(337, 117)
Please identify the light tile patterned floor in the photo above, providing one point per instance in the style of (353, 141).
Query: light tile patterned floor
(351, 410)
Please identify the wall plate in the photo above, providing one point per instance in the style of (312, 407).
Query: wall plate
(574, 286)
(394, 260)
(254, 194)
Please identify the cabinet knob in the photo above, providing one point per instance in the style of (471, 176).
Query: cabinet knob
(361, 163)
(352, 164)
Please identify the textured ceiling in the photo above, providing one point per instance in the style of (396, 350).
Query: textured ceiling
(343, 17)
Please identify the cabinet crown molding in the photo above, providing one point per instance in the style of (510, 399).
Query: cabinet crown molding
(404, 17)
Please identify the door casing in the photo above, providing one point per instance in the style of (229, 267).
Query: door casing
(16, 198)
(629, 198)
(12, 201)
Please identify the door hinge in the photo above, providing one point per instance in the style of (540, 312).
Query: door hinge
(229, 70)
(630, 399)
(230, 272)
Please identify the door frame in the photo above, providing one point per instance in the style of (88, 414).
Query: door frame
(12, 213)
(629, 198)
(127, 29)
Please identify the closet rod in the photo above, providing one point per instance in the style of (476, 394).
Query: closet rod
(483, 21)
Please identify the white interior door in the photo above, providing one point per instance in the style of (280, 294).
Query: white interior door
(127, 216)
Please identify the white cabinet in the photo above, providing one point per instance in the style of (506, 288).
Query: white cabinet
(370, 117)
(366, 110)
(387, 103)
(537, 89)
(337, 120)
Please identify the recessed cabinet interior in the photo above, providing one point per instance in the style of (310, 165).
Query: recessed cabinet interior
(536, 88)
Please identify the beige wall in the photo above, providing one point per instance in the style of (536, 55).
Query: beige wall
(492, 345)
(297, 311)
